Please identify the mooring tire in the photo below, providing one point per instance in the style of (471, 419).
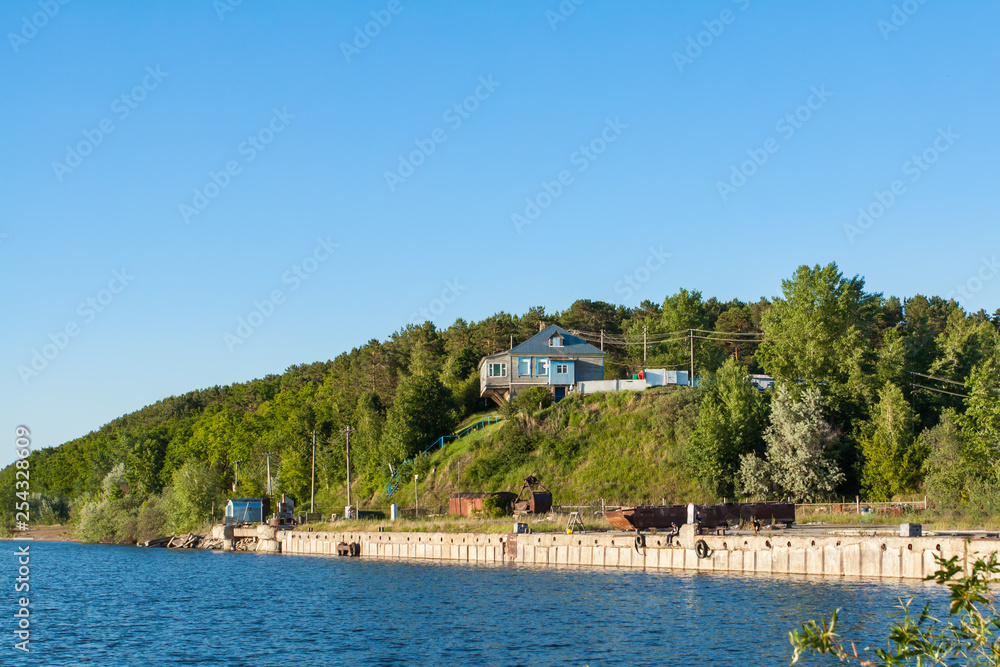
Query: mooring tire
(701, 549)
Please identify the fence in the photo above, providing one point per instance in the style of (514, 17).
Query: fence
(895, 508)
(858, 506)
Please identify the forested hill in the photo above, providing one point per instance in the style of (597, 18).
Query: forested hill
(880, 373)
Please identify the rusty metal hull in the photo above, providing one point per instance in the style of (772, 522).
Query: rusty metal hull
(645, 517)
(766, 513)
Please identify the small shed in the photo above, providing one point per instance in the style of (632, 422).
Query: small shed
(247, 510)
(467, 504)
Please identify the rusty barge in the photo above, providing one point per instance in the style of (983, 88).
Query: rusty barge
(723, 515)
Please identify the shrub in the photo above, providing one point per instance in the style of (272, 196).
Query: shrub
(495, 507)
(969, 637)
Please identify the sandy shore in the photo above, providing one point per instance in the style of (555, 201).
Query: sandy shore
(55, 533)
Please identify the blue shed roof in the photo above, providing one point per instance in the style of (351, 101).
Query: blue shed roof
(572, 345)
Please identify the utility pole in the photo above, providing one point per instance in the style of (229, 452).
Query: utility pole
(459, 487)
(268, 455)
(347, 435)
(644, 348)
(602, 340)
(416, 501)
(236, 475)
(691, 377)
(312, 490)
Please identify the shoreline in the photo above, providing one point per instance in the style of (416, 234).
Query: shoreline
(54, 533)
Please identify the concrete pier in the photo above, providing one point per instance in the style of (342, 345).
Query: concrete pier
(777, 552)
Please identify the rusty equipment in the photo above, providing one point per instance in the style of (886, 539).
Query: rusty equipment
(533, 498)
(709, 517)
(645, 517)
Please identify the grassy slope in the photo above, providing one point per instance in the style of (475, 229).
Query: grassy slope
(622, 447)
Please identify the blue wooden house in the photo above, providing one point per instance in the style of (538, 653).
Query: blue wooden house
(552, 358)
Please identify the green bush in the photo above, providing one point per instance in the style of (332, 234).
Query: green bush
(533, 400)
(195, 488)
(495, 507)
(969, 637)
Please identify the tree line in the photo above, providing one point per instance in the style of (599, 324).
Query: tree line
(875, 395)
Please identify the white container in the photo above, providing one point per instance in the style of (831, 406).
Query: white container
(393, 512)
(911, 530)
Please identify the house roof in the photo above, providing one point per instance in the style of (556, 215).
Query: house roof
(572, 345)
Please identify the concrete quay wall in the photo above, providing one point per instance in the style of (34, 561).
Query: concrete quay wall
(889, 557)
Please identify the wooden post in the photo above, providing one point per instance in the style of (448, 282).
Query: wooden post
(857, 503)
(312, 484)
(347, 436)
(644, 348)
(691, 379)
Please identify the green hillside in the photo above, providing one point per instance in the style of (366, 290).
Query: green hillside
(620, 447)
(875, 396)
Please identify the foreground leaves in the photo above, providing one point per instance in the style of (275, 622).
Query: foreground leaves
(969, 636)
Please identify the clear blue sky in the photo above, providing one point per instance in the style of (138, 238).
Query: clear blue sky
(197, 87)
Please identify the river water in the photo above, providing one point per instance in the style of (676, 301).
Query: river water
(115, 606)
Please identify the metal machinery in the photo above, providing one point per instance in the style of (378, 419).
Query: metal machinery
(285, 513)
(533, 498)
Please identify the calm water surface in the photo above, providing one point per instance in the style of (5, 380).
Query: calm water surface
(114, 606)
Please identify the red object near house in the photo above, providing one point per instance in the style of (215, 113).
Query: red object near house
(470, 504)
(642, 375)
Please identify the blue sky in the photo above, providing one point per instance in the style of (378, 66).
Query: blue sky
(739, 138)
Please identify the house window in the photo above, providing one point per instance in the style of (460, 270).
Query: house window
(556, 341)
(523, 367)
(496, 370)
(562, 369)
(542, 368)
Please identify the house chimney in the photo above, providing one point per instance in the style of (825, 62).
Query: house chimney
(541, 325)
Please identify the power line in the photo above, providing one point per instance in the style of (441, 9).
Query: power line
(731, 333)
(931, 377)
(731, 340)
(941, 391)
(668, 336)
